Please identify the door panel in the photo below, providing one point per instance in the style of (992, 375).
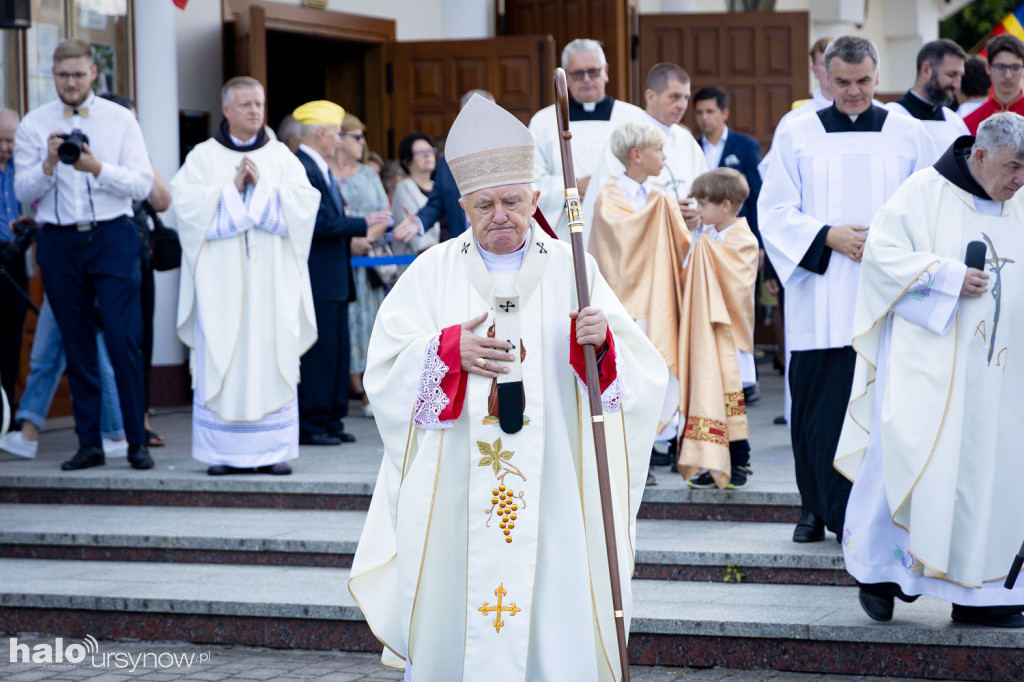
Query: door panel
(759, 58)
(251, 44)
(430, 77)
(604, 20)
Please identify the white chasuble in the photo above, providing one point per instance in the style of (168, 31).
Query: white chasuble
(819, 178)
(588, 140)
(245, 277)
(931, 437)
(483, 553)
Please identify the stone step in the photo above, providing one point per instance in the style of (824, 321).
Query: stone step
(190, 487)
(755, 627)
(666, 550)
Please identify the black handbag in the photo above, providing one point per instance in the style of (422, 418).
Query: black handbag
(163, 243)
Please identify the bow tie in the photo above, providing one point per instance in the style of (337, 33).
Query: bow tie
(81, 111)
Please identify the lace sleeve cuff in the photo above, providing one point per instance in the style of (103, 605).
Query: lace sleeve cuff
(442, 385)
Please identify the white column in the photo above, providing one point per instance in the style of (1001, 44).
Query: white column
(156, 78)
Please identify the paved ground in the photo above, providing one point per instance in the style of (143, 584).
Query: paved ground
(155, 662)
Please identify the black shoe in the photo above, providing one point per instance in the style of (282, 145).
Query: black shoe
(663, 454)
(780, 420)
(751, 394)
(85, 458)
(278, 469)
(138, 457)
(345, 437)
(877, 606)
(702, 481)
(811, 528)
(737, 479)
(319, 439)
(991, 616)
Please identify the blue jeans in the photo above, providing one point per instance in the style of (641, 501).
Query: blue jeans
(46, 366)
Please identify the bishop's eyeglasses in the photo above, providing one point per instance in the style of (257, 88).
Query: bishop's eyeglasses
(579, 74)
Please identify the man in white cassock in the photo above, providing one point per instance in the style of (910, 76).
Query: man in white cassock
(593, 116)
(483, 555)
(666, 97)
(832, 170)
(940, 66)
(932, 437)
(245, 212)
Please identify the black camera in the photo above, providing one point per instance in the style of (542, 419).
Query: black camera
(25, 230)
(71, 148)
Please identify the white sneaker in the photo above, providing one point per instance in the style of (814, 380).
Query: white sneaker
(16, 444)
(367, 411)
(115, 448)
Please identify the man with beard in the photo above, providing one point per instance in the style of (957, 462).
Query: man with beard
(940, 66)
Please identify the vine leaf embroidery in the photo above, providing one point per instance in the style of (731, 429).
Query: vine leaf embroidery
(497, 458)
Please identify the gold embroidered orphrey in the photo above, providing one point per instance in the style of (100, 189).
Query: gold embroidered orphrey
(735, 404)
(511, 609)
(707, 430)
(503, 497)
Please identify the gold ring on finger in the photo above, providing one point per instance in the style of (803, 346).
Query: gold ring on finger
(480, 362)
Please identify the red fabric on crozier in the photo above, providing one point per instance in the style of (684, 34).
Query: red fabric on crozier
(454, 382)
(605, 365)
(539, 217)
(180, 3)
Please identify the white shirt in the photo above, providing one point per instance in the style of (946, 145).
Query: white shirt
(636, 192)
(70, 196)
(320, 162)
(713, 152)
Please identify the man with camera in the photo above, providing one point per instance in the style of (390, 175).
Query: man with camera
(84, 159)
(13, 242)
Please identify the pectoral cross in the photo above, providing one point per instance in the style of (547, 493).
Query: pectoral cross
(511, 609)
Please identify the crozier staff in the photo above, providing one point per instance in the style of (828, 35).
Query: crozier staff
(483, 548)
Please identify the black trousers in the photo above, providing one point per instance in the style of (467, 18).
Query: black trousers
(819, 384)
(101, 266)
(323, 390)
(12, 320)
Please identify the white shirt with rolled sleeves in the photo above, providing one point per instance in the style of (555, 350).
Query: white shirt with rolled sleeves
(70, 196)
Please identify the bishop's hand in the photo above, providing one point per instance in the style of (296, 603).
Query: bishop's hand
(591, 326)
(482, 355)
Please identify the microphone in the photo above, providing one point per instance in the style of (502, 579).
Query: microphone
(975, 257)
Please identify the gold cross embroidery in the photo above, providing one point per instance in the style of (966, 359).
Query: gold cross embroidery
(511, 609)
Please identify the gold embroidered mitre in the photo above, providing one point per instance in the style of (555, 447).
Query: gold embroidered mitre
(488, 147)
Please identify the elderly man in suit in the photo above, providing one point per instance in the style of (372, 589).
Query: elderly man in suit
(323, 392)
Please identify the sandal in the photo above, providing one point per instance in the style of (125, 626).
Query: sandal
(154, 439)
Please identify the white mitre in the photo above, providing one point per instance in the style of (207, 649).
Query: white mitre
(488, 147)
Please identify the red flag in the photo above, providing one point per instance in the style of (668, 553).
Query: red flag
(180, 4)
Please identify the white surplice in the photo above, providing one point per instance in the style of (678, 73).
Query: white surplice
(588, 139)
(684, 161)
(245, 307)
(943, 133)
(432, 559)
(820, 178)
(931, 438)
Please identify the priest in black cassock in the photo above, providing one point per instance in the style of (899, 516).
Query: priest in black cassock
(593, 116)
(940, 66)
(832, 169)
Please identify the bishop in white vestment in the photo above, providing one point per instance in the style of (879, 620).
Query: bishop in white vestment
(483, 555)
(832, 170)
(931, 438)
(245, 212)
